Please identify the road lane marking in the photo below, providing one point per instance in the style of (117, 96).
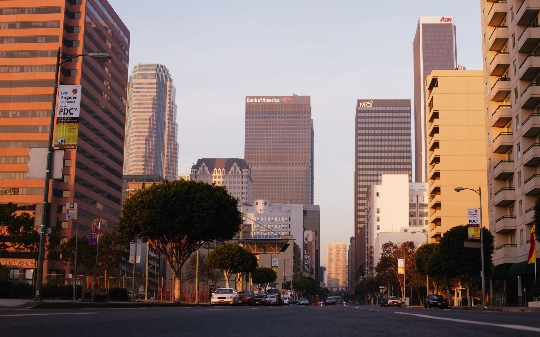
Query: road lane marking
(507, 326)
(51, 314)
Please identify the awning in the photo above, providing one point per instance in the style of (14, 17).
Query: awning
(522, 268)
(500, 271)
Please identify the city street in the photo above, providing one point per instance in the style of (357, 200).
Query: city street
(266, 321)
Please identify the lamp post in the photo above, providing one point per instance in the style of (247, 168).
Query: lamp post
(479, 192)
(102, 57)
(427, 276)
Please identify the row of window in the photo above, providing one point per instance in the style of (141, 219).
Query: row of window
(14, 160)
(25, 69)
(24, 113)
(21, 191)
(30, 10)
(13, 175)
(24, 84)
(24, 128)
(23, 25)
(15, 145)
(25, 98)
(28, 54)
(29, 39)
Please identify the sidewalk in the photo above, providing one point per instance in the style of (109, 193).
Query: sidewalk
(68, 304)
(4, 302)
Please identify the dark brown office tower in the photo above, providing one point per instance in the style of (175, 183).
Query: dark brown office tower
(32, 32)
(383, 146)
(279, 147)
(434, 48)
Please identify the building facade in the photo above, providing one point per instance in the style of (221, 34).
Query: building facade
(312, 223)
(151, 146)
(510, 36)
(455, 121)
(279, 140)
(337, 266)
(418, 205)
(434, 48)
(382, 146)
(32, 32)
(232, 173)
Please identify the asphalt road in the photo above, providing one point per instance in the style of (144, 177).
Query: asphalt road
(266, 321)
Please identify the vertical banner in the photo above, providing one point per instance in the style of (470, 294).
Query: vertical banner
(71, 211)
(67, 117)
(401, 266)
(474, 224)
(96, 225)
(135, 252)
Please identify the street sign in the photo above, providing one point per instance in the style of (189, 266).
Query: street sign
(274, 262)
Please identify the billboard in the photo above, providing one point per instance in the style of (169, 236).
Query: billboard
(67, 117)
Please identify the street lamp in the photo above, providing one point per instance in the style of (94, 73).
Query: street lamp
(102, 57)
(427, 276)
(479, 192)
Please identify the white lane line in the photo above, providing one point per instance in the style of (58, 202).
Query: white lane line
(51, 314)
(507, 326)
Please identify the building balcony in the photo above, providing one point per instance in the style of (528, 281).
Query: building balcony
(505, 224)
(504, 197)
(529, 216)
(531, 126)
(503, 142)
(502, 116)
(433, 142)
(528, 40)
(434, 172)
(529, 68)
(506, 253)
(531, 185)
(435, 187)
(433, 129)
(435, 201)
(433, 115)
(500, 90)
(531, 155)
(527, 12)
(499, 64)
(530, 97)
(435, 157)
(497, 14)
(503, 170)
(498, 38)
(435, 220)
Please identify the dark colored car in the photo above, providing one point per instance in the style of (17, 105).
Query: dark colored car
(258, 299)
(330, 301)
(384, 302)
(436, 301)
(245, 297)
(293, 302)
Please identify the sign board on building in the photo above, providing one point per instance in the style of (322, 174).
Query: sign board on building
(473, 223)
(275, 262)
(67, 117)
(71, 211)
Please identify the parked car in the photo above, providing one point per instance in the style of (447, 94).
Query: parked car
(245, 297)
(436, 301)
(393, 301)
(286, 300)
(224, 296)
(292, 301)
(330, 301)
(384, 302)
(258, 299)
(271, 300)
(303, 301)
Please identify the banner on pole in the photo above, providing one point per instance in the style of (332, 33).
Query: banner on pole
(401, 266)
(132, 248)
(96, 225)
(67, 117)
(71, 211)
(474, 224)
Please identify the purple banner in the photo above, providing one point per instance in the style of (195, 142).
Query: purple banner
(94, 238)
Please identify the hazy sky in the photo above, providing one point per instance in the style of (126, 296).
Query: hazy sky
(335, 51)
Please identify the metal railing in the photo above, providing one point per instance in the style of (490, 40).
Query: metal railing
(506, 245)
(503, 161)
(506, 133)
(505, 217)
(498, 27)
(505, 189)
(531, 178)
(534, 114)
(501, 79)
(530, 147)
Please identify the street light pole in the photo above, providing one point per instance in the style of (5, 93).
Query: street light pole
(479, 192)
(102, 57)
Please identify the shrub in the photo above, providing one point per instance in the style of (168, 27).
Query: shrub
(118, 294)
(15, 290)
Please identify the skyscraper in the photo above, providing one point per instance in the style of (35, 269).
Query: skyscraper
(279, 147)
(337, 265)
(434, 48)
(383, 146)
(151, 130)
(32, 32)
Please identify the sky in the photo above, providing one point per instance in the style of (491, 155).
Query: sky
(335, 51)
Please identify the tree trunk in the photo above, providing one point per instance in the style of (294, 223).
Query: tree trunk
(469, 303)
(226, 278)
(177, 287)
(240, 282)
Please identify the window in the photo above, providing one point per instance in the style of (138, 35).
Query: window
(518, 148)
(378, 218)
(519, 178)
(513, 40)
(514, 66)
(511, 14)
(521, 237)
(378, 210)
(520, 207)
(516, 95)
(511, 210)
(517, 122)
(489, 165)
(513, 238)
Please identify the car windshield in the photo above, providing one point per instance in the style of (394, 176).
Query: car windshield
(330, 298)
(224, 291)
(245, 294)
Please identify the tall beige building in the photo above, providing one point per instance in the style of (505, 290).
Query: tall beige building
(511, 56)
(337, 265)
(456, 147)
(151, 145)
